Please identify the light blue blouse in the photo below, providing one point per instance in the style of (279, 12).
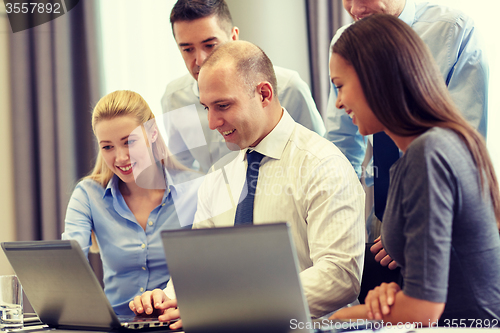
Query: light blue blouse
(133, 258)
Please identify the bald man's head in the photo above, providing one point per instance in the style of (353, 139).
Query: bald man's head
(237, 87)
(251, 63)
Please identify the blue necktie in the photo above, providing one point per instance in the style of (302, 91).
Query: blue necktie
(385, 153)
(244, 210)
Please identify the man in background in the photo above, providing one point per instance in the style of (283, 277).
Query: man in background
(199, 26)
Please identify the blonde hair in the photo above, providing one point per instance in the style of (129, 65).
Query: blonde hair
(128, 103)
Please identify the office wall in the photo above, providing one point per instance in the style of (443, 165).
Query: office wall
(279, 27)
(148, 52)
(7, 226)
(143, 56)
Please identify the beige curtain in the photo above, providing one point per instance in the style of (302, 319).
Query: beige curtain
(324, 17)
(54, 84)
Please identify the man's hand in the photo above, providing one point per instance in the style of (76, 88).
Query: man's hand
(378, 302)
(156, 303)
(381, 255)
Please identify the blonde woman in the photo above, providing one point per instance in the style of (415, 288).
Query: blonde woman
(134, 192)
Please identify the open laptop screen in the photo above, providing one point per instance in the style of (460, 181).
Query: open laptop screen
(236, 279)
(62, 288)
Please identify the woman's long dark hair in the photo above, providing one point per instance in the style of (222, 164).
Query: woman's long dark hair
(404, 88)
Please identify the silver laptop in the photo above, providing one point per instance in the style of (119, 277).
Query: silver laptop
(236, 279)
(62, 288)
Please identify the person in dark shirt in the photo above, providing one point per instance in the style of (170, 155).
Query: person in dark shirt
(441, 224)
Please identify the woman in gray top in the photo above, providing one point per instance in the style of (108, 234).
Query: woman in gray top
(441, 223)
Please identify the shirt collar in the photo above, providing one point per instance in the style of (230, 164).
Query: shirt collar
(408, 13)
(275, 142)
(112, 187)
(174, 179)
(196, 90)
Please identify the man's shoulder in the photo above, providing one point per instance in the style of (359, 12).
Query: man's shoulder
(337, 35)
(181, 83)
(284, 73)
(314, 156)
(431, 13)
(179, 93)
(287, 79)
(311, 143)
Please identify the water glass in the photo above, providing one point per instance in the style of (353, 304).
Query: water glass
(11, 303)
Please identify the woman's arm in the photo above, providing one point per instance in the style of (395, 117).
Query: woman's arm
(405, 309)
(78, 220)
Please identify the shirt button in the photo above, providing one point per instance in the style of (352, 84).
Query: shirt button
(143, 245)
(162, 204)
(143, 268)
(150, 222)
(142, 289)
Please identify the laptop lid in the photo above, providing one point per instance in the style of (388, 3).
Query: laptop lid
(236, 279)
(61, 286)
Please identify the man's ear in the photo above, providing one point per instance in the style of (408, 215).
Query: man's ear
(235, 33)
(266, 93)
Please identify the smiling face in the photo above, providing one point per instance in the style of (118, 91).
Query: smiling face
(123, 146)
(198, 38)
(239, 118)
(351, 97)
(362, 8)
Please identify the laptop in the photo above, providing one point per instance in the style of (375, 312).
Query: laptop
(237, 279)
(62, 288)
